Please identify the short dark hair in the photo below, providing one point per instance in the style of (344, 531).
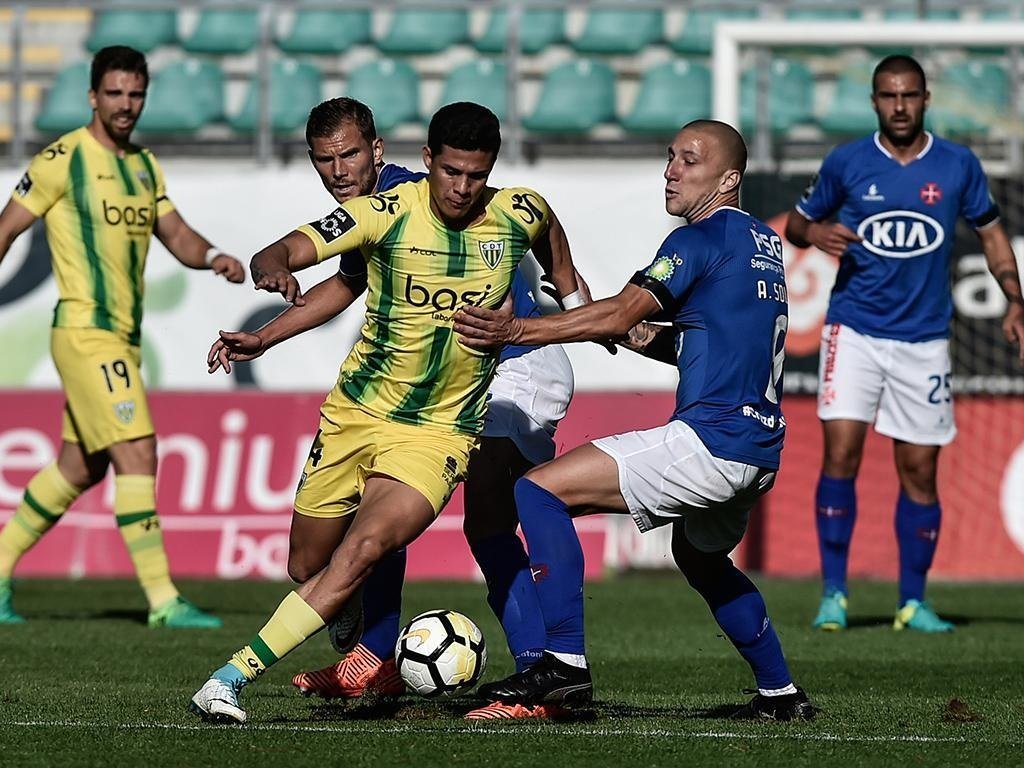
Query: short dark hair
(732, 142)
(898, 64)
(464, 125)
(117, 58)
(327, 117)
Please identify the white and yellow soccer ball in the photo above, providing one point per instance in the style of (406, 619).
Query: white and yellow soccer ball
(441, 653)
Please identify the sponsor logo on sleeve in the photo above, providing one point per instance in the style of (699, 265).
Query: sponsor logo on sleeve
(492, 251)
(24, 185)
(663, 268)
(334, 225)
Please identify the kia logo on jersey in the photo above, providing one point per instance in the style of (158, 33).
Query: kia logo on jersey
(901, 234)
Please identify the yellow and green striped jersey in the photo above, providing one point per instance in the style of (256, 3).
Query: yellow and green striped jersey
(99, 209)
(408, 365)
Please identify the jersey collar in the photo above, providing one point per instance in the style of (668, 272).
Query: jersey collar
(918, 156)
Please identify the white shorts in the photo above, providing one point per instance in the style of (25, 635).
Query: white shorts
(902, 387)
(667, 475)
(527, 399)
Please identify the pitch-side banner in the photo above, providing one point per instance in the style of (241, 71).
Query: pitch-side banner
(229, 465)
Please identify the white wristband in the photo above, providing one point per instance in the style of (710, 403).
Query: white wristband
(212, 253)
(573, 300)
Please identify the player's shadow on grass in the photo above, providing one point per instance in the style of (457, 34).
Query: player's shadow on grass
(959, 620)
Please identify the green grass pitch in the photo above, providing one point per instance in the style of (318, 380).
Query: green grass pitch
(85, 683)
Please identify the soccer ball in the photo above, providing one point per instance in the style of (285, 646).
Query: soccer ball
(440, 653)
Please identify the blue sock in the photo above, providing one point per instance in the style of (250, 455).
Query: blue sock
(231, 675)
(917, 532)
(382, 605)
(512, 595)
(556, 560)
(836, 505)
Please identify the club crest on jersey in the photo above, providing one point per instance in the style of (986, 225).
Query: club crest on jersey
(900, 234)
(663, 267)
(492, 251)
(144, 180)
(125, 411)
(930, 193)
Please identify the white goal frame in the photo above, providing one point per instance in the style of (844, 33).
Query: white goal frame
(731, 36)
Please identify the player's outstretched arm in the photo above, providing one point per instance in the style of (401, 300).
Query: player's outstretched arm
(14, 220)
(552, 252)
(832, 238)
(1003, 265)
(324, 301)
(611, 318)
(272, 268)
(195, 251)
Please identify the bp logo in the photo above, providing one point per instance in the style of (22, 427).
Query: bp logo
(663, 267)
(492, 251)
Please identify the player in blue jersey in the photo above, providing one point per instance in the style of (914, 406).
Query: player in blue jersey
(896, 196)
(527, 398)
(720, 284)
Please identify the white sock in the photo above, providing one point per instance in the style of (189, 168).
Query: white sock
(777, 691)
(577, 660)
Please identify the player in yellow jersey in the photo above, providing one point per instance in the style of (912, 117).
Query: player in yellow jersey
(102, 198)
(396, 431)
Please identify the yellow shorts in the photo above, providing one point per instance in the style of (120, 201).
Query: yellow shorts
(106, 403)
(351, 445)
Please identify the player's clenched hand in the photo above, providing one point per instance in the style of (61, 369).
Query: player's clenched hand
(832, 238)
(282, 282)
(230, 267)
(233, 347)
(1013, 327)
(487, 329)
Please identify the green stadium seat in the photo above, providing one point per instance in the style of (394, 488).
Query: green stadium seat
(142, 30)
(698, 29)
(390, 87)
(538, 30)
(66, 106)
(816, 10)
(482, 81)
(967, 98)
(295, 88)
(575, 97)
(183, 97)
(225, 31)
(323, 31)
(619, 30)
(424, 31)
(790, 97)
(671, 95)
(850, 112)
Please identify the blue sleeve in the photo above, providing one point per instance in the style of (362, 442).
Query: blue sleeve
(680, 261)
(524, 304)
(392, 175)
(976, 203)
(826, 192)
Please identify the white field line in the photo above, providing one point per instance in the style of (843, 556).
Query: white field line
(474, 730)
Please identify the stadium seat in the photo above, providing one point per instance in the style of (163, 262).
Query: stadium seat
(699, 27)
(790, 96)
(482, 81)
(184, 97)
(67, 103)
(538, 30)
(424, 31)
(225, 31)
(575, 97)
(295, 88)
(324, 31)
(143, 30)
(816, 10)
(390, 87)
(850, 112)
(671, 95)
(608, 30)
(967, 98)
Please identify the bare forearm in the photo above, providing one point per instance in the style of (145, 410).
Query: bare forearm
(190, 248)
(1002, 263)
(324, 302)
(273, 258)
(597, 321)
(796, 229)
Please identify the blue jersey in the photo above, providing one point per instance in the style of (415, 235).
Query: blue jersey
(894, 284)
(722, 284)
(523, 302)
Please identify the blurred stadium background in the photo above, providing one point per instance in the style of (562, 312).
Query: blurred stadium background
(588, 93)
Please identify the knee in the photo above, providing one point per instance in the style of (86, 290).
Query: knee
(699, 568)
(301, 569)
(841, 460)
(360, 554)
(918, 481)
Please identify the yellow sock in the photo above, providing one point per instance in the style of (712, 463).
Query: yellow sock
(135, 509)
(288, 628)
(47, 496)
